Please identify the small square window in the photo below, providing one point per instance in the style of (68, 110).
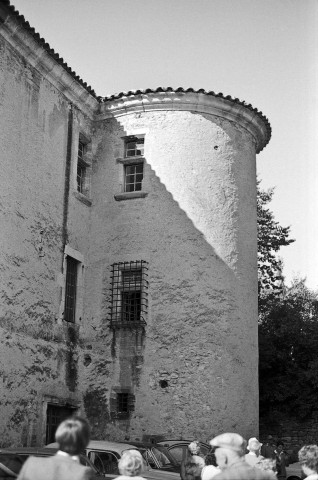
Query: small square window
(134, 147)
(133, 177)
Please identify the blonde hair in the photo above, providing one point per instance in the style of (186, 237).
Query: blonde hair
(308, 456)
(131, 463)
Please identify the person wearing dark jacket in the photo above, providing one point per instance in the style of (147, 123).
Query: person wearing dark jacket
(268, 448)
(281, 461)
(72, 435)
(192, 466)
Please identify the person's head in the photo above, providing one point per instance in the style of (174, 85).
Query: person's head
(308, 457)
(254, 445)
(131, 463)
(267, 464)
(193, 470)
(72, 435)
(229, 448)
(280, 446)
(194, 447)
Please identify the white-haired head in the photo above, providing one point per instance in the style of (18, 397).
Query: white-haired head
(131, 463)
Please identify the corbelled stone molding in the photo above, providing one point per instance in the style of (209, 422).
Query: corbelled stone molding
(30, 45)
(227, 108)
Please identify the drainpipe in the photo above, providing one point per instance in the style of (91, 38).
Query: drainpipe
(67, 178)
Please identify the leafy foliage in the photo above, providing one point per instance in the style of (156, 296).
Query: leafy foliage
(288, 340)
(288, 327)
(271, 237)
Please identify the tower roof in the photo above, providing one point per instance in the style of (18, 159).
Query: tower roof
(229, 102)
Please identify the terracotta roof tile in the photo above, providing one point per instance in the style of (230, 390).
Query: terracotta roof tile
(200, 90)
(41, 41)
(61, 61)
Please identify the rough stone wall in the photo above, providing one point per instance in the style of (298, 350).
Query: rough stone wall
(193, 369)
(197, 230)
(38, 350)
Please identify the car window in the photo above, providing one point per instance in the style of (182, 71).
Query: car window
(162, 459)
(148, 457)
(105, 462)
(177, 452)
(12, 462)
(204, 450)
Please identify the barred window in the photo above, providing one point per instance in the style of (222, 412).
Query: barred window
(55, 414)
(129, 294)
(122, 403)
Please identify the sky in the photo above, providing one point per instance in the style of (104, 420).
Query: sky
(264, 52)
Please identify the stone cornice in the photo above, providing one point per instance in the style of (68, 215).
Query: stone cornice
(37, 54)
(194, 101)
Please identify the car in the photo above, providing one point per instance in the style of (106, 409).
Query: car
(294, 471)
(105, 454)
(14, 458)
(157, 456)
(178, 448)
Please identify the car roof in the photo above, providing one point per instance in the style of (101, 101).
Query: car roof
(29, 450)
(102, 445)
(118, 447)
(179, 441)
(138, 443)
(109, 445)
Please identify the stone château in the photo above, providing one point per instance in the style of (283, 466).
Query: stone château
(128, 253)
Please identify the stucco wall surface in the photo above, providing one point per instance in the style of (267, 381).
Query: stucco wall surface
(197, 229)
(192, 370)
(38, 350)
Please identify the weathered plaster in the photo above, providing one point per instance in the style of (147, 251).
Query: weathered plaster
(193, 368)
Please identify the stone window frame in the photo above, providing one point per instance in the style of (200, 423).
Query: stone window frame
(79, 257)
(114, 403)
(125, 161)
(133, 139)
(118, 287)
(62, 401)
(131, 183)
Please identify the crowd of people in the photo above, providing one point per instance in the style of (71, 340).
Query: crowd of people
(230, 458)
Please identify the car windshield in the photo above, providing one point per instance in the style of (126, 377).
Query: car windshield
(156, 457)
(163, 456)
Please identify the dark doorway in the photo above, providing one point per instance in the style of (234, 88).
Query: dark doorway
(55, 414)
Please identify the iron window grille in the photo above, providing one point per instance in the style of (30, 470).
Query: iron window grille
(133, 177)
(70, 289)
(81, 167)
(122, 403)
(134, 147)
(129, 294)
(54, 416)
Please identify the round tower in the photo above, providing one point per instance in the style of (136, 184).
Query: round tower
(174, 218)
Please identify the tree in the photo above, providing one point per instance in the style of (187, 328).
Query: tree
(288, 363)
(271, 237)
